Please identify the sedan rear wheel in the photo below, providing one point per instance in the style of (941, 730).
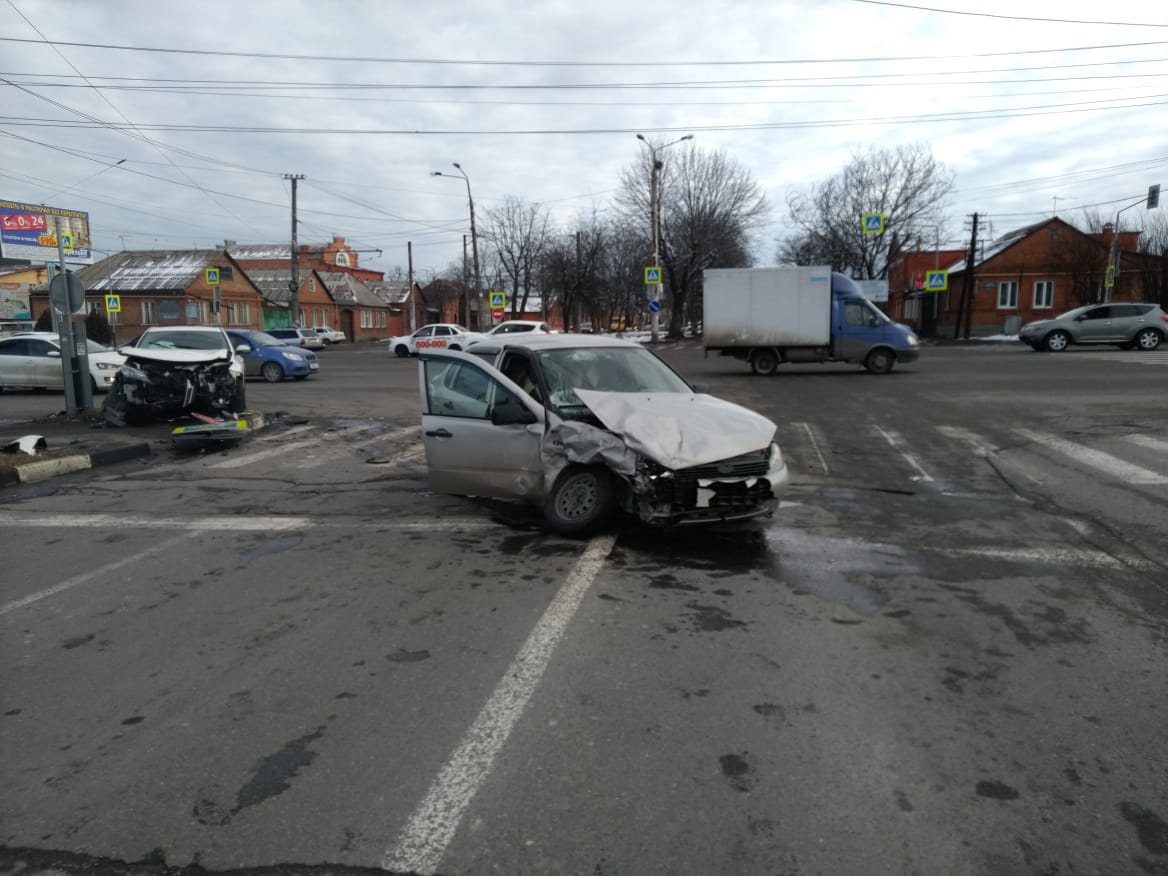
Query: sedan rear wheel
(1057, 342)
(272, 372)
(1148, 339)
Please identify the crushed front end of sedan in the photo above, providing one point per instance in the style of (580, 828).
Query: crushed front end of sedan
(584, 427)
(162, 380)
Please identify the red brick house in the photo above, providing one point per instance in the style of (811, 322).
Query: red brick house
(361, 314)
(407, 305)
(907, 301)
(166, 287)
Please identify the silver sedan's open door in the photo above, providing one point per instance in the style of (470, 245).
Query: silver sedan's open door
(483, 435)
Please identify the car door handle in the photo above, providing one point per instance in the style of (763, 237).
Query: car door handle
(439, 433)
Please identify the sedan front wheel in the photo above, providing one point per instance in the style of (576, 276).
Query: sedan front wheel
(272, 372)
(579, 501)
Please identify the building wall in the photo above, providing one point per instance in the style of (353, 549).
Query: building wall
(317, 307)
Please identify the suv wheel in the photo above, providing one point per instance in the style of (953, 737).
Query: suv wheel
(1148, 339)
(1058, 341)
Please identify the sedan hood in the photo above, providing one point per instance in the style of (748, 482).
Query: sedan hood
(680, 430)
(176, 357)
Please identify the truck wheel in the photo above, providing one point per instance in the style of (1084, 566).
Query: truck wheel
(880, 361)
(579, 501)
(764, 362)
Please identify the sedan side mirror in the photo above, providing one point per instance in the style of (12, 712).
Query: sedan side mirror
(509, 413)
(243, 348)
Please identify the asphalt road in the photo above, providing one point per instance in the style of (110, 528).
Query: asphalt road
(946, 654)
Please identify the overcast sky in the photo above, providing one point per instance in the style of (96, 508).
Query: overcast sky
(542, 100)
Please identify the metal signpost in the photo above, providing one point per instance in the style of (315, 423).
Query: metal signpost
(67, 297)
(212, 277)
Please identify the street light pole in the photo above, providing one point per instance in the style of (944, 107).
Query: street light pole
(655, 220)
(474, 238)
(1113, 257)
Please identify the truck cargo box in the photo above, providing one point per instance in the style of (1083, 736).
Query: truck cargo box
(767, 307)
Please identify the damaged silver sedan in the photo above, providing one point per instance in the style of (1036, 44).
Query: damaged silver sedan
(586, 426)
(173, 372)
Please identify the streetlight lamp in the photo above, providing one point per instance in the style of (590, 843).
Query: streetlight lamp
(655, 217)
(474, 239)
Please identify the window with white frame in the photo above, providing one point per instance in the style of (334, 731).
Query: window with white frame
(1043, 294)
(204, 315)
(149, 313)
(342, 258)
(1008, 295)
(365, 320)
(241, 313)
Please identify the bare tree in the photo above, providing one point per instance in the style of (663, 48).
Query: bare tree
(1153, 263)
(710, 205)
(518, 234)
(571, 263)
(906, 184)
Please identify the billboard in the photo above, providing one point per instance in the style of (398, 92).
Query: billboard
(29, 231)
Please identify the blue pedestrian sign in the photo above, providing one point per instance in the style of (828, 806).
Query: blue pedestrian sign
(653, 276)
(873, 223)
(113, 304)
(498, 300)
(212, 275)
(654, 306)
(936, 281)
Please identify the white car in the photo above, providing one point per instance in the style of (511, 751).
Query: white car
(33, 359)
(518, 326)
(584, 427)
(329, 335)
(436, 336)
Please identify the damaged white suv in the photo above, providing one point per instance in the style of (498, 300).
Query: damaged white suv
(587, 425)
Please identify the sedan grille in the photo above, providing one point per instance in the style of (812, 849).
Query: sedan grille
(749, 465)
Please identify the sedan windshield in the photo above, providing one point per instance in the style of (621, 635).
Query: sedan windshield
(180, 340)
(605, 369)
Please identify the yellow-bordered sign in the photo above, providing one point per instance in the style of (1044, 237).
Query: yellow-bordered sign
(873, 223)
(113, 304)
(653, 276)
(498, 300)
(212, 275)
(936, 281)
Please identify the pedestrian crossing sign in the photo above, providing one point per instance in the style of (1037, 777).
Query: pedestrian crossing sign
(212, 275)
(498, 300)
(653, 276)
(873, 223)
(113, 304)
(936, 281)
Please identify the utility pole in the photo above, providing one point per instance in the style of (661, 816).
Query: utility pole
(410, 285)
(968, 288)
(465, 286)
(294, 283)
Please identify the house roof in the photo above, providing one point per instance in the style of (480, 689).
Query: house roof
(272, 283)
(390, 291)
(347, 289)
(153, 270)
(271, 251)
(1003, 243)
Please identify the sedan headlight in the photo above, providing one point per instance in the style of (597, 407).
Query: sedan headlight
(106, 366)
(295, 357)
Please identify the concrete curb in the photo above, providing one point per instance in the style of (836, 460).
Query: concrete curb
(42, 470)
(31, 472)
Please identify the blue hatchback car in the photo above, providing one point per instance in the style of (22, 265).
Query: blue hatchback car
(270, 358)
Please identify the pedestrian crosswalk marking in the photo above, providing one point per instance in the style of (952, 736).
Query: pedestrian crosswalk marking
(1096, 459)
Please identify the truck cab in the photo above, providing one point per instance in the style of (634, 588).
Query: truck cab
(861, 332)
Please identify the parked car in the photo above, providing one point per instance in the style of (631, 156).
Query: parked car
(298, 337)
(171, 371)
(1140, 326)
(270, 358)
(436, 336)
(33, 359)
(586, 426)
(515, 326)
(329, 335)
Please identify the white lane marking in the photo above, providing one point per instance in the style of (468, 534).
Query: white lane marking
(980, 446)
(1061, 556)
(893, 440)
(423, 841)
(814, 445)
(234, 523)
(249, 458)
(90, 575)
(1096, 459)
(1149, 442)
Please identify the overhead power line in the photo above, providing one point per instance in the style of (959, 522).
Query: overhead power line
(1010, 17)
(368, 59)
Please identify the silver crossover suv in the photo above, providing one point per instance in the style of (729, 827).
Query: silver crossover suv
(1142, 326)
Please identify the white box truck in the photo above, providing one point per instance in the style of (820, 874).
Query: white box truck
(766, 316)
